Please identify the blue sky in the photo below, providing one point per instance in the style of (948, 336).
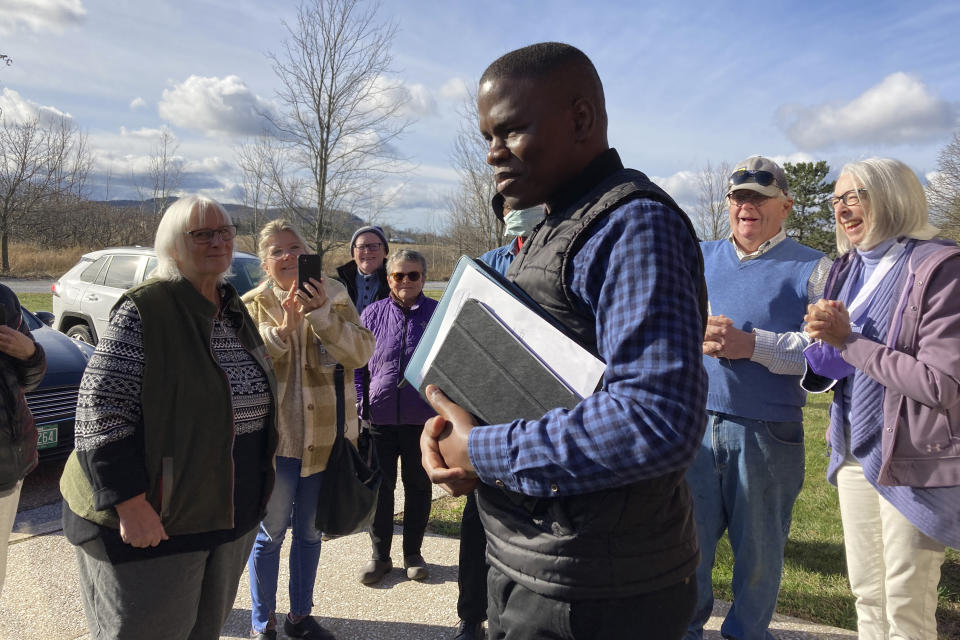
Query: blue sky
(686, 82)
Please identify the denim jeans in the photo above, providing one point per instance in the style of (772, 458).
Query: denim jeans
(293, 503)
(745, 479)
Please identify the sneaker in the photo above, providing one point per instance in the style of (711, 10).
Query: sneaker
(470, 631)
(375, 570)
(266, 634)
(416, 567)
(307, 628)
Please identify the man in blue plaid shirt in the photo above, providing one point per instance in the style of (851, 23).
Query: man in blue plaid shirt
(588, 517)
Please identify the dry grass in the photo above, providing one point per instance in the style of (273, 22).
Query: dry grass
(31, 261)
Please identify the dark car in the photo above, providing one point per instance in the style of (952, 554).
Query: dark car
(54, 403)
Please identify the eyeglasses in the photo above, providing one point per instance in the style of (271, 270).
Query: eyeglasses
(205, 236)
(278, 253)
(413, 276)
(848, 198)
(373, 246)
(745, 196)
(762, 178)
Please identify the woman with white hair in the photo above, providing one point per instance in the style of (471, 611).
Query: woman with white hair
(315, 339)
(888, 332)
(175, 436)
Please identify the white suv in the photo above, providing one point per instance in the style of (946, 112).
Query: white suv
(84, 295)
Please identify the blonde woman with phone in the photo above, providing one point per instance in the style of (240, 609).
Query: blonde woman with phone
(313, 335)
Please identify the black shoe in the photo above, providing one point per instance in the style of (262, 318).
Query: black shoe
(470, 631)
(307, 628)
(416, 567)
(374, 571)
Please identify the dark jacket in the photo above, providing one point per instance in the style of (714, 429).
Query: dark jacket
(347, 275)
(611, 543)
(18, 433)
(398, 331)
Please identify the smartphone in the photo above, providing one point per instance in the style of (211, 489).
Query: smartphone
(309, 266)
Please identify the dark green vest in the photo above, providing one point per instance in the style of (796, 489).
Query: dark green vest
(612, 543)
(188, 428)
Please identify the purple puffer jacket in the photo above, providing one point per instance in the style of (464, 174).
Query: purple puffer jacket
(397, 332)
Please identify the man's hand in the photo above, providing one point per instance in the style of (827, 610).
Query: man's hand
(722, 340)
(443, 445)
(828, 320)
(140, 525)
(15, 344)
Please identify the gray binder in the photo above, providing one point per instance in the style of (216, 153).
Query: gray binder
(486, 369)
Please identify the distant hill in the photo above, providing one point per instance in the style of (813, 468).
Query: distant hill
(239, 212)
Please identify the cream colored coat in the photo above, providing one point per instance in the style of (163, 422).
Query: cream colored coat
(335, 325)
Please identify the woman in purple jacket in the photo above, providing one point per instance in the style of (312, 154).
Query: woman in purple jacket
(397, 413)
(889, 332)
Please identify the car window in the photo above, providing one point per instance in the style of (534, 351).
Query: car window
(90, 273)
(122, 272)
(247, 274)
(151, 265)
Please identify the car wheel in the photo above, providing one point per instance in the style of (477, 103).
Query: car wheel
(80, 332)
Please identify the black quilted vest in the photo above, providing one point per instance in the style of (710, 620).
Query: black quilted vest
(612, 543)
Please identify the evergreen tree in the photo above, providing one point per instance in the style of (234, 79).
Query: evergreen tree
(811, 222)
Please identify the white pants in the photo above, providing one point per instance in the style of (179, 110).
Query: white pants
(8, 513)
(894, 568)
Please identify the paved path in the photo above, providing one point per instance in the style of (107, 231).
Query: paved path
(41, 600)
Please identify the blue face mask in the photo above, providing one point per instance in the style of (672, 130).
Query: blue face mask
(521, 223)
(825, 360)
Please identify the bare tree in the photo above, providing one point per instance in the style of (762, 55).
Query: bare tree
(711, 217)
(472, 225)
(257, 159)
(943, 190)
(341, 114)
(40, 162)
(162, 178)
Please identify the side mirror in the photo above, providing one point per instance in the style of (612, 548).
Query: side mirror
(45, 317)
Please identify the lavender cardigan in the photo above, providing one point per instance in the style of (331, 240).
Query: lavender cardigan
(919, 369)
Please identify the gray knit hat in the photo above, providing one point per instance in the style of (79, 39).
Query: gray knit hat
(369, 229)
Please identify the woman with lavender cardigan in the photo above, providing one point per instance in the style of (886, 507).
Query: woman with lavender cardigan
(887, 331)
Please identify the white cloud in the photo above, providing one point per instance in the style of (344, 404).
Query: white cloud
(138, 103)
(455, 89)
(143, 133)
(899, 110)
(40, 15)
(415, 100)
(214, 105)
(16, 108)
(793, 158)
(682, 186)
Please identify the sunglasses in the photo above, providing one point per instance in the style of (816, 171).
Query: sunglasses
(762, 178)
(413, 276)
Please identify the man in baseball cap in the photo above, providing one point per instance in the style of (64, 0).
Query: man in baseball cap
(749, 469)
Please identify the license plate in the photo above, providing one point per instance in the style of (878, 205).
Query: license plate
(47, 435)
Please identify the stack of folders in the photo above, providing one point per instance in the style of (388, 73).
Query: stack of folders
(496, 353)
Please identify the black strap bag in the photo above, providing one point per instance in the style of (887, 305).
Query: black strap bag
(348, 496)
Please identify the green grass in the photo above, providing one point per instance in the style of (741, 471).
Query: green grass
(36, 301)
(815, 583)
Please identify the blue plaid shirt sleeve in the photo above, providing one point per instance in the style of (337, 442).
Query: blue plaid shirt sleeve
(637, 274)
